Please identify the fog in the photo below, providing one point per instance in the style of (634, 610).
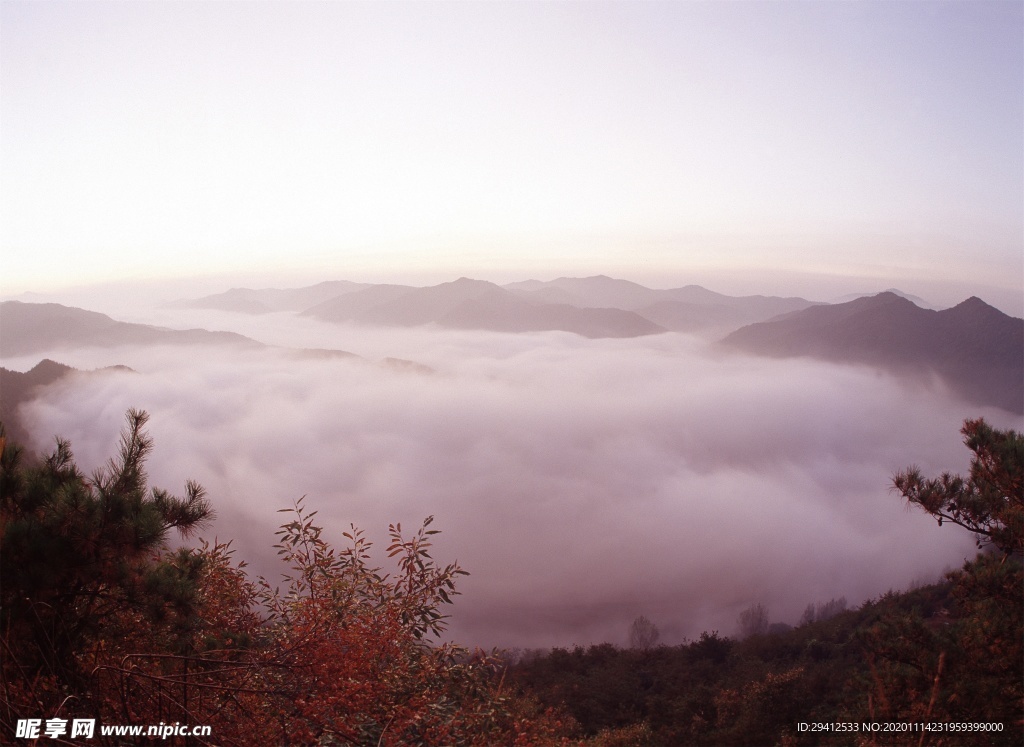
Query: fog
(581, 482)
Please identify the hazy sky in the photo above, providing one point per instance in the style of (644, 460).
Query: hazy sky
(650, 140)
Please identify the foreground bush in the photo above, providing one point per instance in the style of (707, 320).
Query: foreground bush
(99, 619)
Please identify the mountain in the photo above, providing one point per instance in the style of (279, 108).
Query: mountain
(549, 294)
(691, 308)
(266, 300)
(477, 304)
(404, 366)
(16, 388)
(32, 327)
(432, 304)
(601, 291)
(350, 306)
(322, 354)
(529, 305)
(696, 309)
(910, 297)
(507, 315)
(27, 328)
(713, 319)
(976, 349)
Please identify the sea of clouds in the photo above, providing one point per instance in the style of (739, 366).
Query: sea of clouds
(581, 482)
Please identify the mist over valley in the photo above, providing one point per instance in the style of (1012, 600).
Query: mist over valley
(582, 479)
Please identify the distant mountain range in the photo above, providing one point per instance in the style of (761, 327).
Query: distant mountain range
(34, 327)
(690, 308)
(477, 304)
(597, 306)
(266, 300)
(976, 349)
(27, 328)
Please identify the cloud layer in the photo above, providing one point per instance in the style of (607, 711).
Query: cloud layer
(581, 482)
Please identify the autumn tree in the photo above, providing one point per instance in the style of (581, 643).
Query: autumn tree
(101, 619)
(344, 653)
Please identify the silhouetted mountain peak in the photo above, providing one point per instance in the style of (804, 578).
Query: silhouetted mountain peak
(884, 298)
(974, 303)
(267, 300)
(916, 300)
(49, 368)
(468, 283)
(974, 311)
(976, 348)
(18, 387)
(600, 281)
(885, 305)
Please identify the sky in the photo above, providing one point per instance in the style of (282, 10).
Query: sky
(812, 148)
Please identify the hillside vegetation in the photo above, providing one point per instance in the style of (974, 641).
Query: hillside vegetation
(101, 618)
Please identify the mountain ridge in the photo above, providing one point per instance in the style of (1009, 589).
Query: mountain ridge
(28, 328)
(466, 303)
(18, 387)
(977, 349)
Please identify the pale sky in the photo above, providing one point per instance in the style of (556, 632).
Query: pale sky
(649, 140)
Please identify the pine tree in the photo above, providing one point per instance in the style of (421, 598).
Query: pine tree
(990, 501)
(972, 666)
(76, 549)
